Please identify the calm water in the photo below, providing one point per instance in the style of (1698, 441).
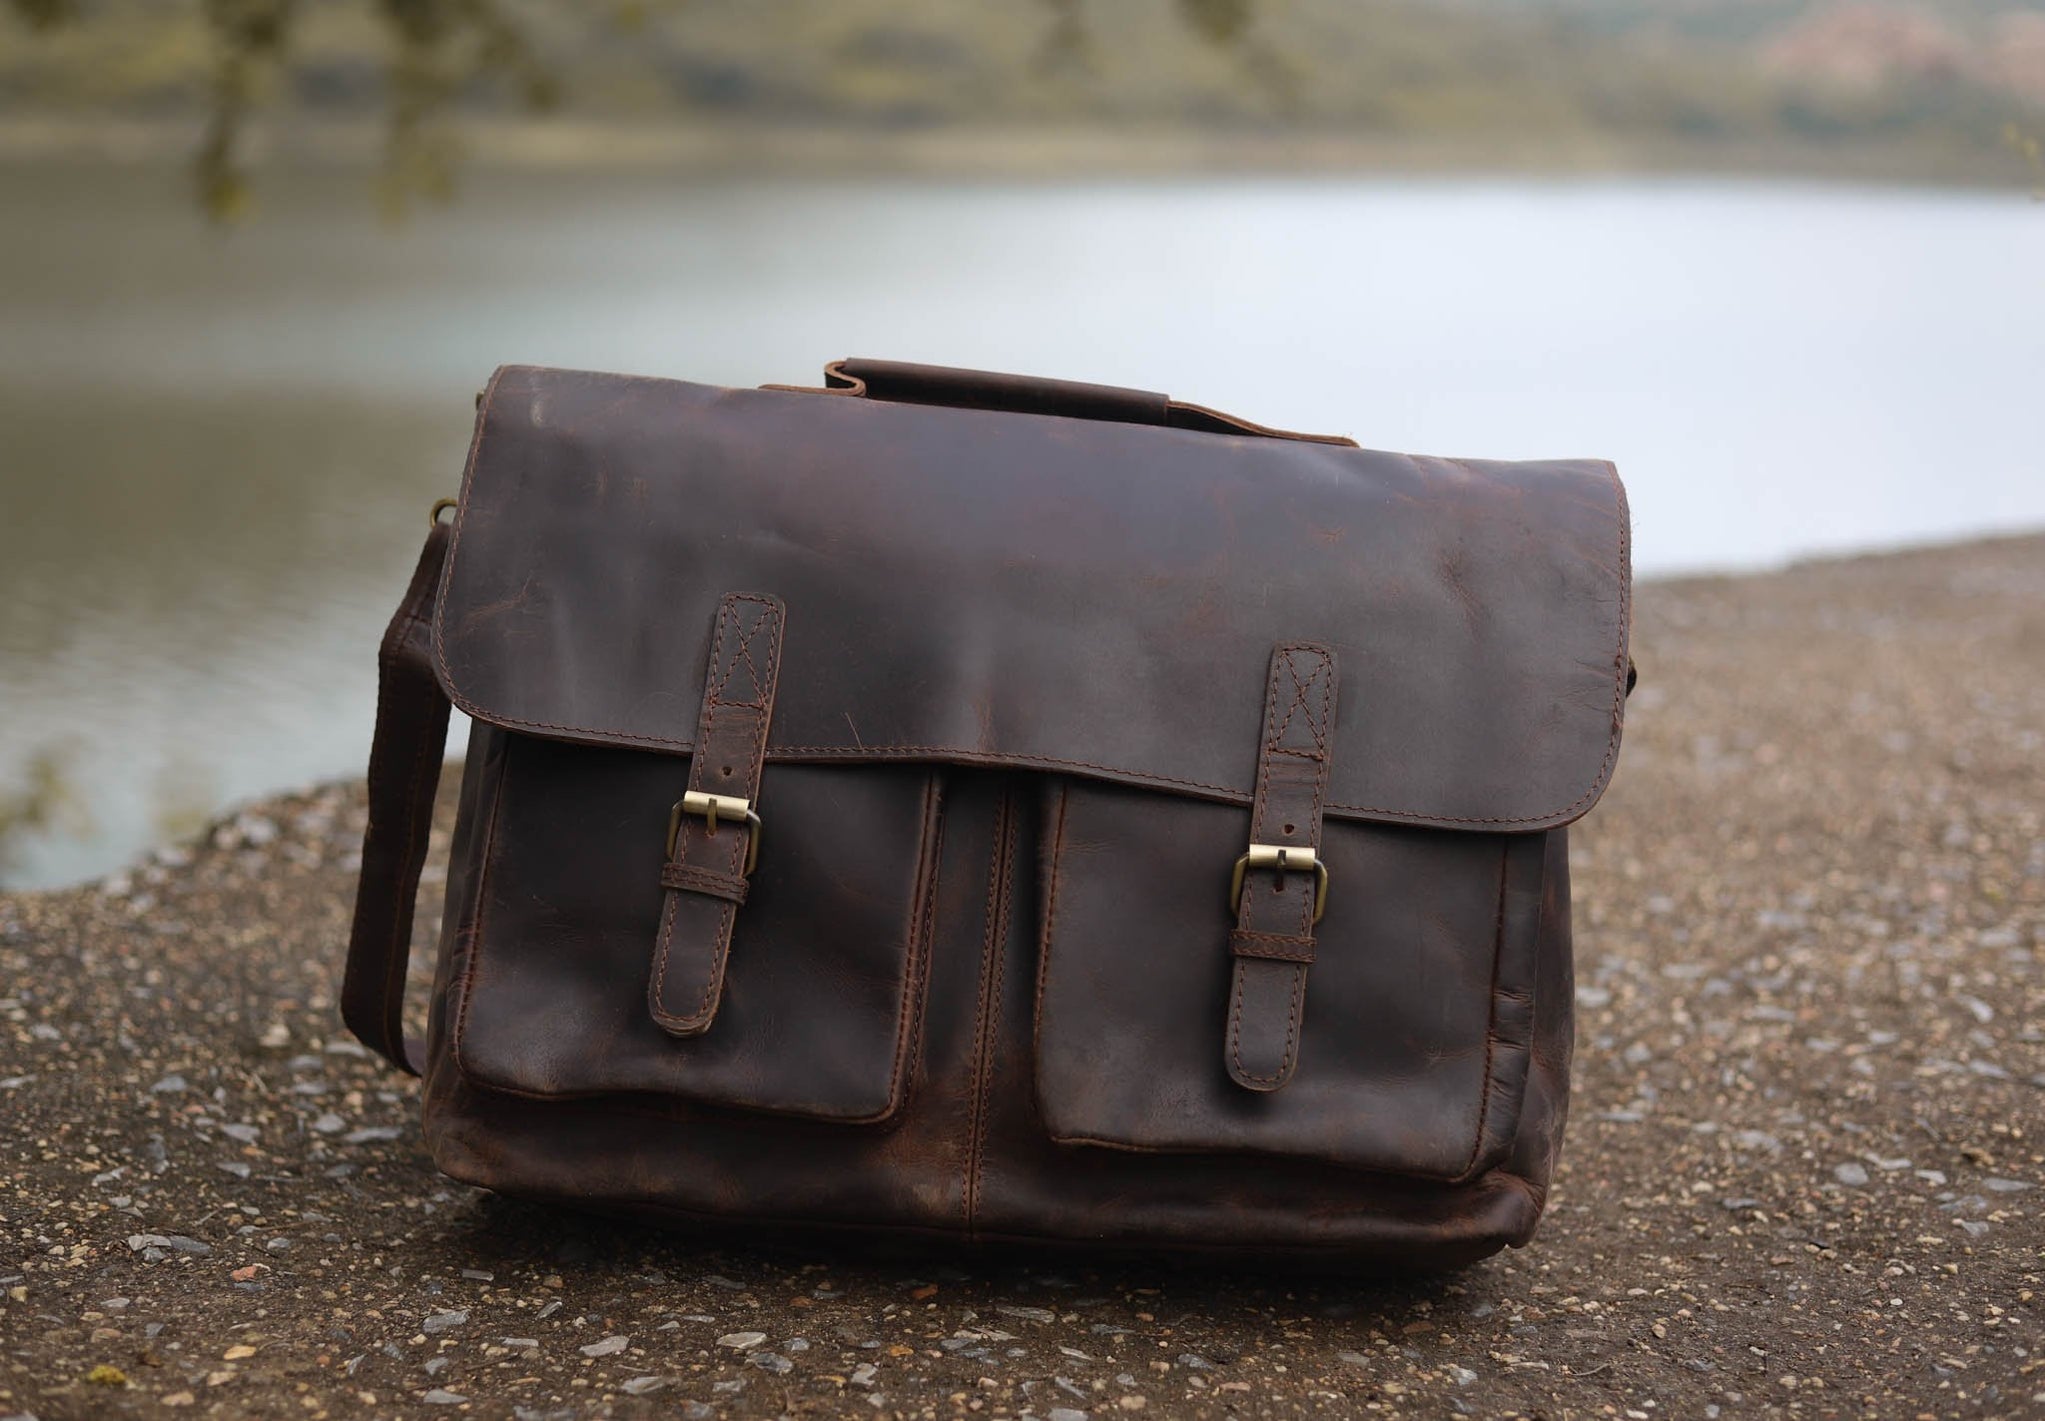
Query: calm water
(216, 452)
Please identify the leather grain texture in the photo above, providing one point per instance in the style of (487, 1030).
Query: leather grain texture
(1037, 592)
(1013, 672)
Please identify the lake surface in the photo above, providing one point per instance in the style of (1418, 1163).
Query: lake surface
(217, 450)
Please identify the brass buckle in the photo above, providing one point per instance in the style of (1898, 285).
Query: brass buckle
(711, 807)
(1285, 860)
(440, 506)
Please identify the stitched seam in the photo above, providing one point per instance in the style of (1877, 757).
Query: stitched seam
(756, 759)
(714, 969)
(706, 732)
(745, 658)
(722, 658)
(1235, 1013)
(719, 945)
(399, 961)
(772, 618)
(763, 708)
(991, 1038)
(712, 685)
(1320, 725)
(1226, 794)
(1491, 1023)
(963, 755)
(663, 945)
(404, 912)
(909, 1015)
(919, 971)
(1252, 933)
(1317, 726)
(476, 935)
(1325, 675)
(990, 951)
(1303, 957)
(1299, 977)
(703, 880)
(1272, 947)
(765, 622)
(992, 942)
(1275, 727)
(676, 875)
(1625, 540)
(720, 953)
(1289, 655)
(1048, 932)
(1263, 804)
(1313, 826)
(1284, 656)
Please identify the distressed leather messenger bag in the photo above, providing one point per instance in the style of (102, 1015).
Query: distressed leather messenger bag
(996, 809)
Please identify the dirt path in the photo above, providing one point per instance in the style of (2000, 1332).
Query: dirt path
(1805, 1174)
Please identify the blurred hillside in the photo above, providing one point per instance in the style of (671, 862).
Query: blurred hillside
(1931, 89)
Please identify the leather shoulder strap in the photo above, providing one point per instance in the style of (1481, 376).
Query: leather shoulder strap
(404, 770)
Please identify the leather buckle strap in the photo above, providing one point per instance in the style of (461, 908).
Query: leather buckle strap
(709, 858)
(1276, 905)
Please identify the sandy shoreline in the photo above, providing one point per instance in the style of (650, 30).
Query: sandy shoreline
(1805, 1172)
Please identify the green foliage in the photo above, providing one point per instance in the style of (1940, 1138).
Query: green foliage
(1503, 78)
(46, 801)
(444, 47)
(1220, 21)
(438, 53)
(45, 14)
(248, 36)
(2026, 145)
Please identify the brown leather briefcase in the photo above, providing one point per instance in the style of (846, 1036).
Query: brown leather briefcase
(996, 809)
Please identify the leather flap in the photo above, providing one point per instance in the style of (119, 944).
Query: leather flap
(990, 588)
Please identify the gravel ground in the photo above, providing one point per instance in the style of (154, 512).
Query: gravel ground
(1805, 1176)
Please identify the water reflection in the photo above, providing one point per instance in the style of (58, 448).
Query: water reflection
(216, 453)
(189, 596)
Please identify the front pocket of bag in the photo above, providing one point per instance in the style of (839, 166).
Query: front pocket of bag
(823, 983)
(1417, 1016)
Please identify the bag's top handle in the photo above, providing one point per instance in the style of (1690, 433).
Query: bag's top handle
(906, 383)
